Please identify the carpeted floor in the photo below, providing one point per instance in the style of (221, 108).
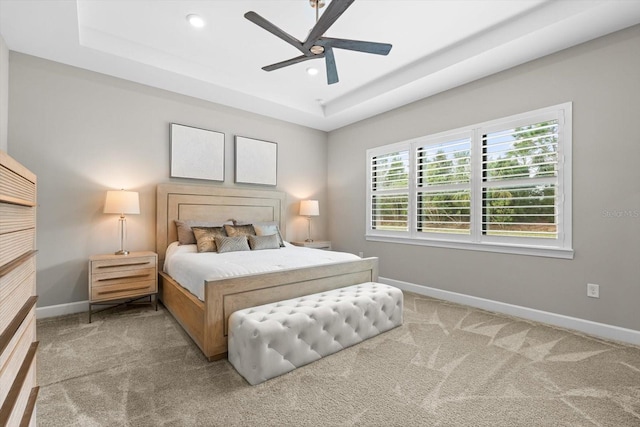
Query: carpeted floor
(448, 365)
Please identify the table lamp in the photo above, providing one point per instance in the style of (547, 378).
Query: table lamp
(122, 202)
(309, 208)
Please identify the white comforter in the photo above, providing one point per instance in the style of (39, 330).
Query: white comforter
(191, 269)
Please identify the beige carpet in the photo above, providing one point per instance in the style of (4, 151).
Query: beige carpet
(448, 365)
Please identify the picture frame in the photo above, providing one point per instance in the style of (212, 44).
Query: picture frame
(196, 153)
(256, 161)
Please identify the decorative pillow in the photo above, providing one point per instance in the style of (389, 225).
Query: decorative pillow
(239, 230)
(185, 233)
(206, 237)
(268, 228)
(232, 244)
(264, 242)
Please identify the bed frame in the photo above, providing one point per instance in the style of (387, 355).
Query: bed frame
(206, 322)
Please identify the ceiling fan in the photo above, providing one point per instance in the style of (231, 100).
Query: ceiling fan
(316, 45)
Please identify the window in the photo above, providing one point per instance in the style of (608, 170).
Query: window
(502, 186)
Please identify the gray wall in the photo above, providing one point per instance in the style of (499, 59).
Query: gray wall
(83, 133)
(4, 94)
(602, 79)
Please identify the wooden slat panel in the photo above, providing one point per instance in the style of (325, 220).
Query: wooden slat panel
(28, 327)
(8, 335)
(27, 418)
(13, 406)
(16, 244)
(12, 279)
(15, 188)
(16, 217)
(12, 164)
(6, 269)
(15, 291)
(22, 402)
(17, 354)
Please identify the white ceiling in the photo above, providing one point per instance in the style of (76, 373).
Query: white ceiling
(437, 45)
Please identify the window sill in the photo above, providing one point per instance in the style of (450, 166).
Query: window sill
(548, 252)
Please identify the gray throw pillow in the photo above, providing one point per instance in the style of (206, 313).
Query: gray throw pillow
(232, 244)
(264, 242)
(268, 228)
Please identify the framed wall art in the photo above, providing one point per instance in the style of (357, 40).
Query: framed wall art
(196, 153)
(256, 161)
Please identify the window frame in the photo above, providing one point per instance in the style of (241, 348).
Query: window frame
(476, 240)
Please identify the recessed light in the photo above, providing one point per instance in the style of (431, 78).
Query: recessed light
(312, 71)
(195, 20)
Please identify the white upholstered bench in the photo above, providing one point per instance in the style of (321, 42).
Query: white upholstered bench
(273, 339)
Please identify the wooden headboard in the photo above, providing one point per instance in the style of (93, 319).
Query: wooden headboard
(213, 203)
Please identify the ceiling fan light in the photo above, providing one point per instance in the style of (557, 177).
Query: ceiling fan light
(195, 21)
(312, 71)
(316, 4)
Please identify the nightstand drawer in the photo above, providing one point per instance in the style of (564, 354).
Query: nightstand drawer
(123, 264)
(122, 276)
(123, 289)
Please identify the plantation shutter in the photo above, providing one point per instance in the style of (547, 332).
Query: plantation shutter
(389, 191)
(520, 181)
(443, 186)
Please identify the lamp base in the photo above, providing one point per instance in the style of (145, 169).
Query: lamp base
(308, 240)
(122, 252)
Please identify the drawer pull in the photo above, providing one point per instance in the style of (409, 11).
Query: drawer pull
(122, 290)
(124, 265)
(123, 277)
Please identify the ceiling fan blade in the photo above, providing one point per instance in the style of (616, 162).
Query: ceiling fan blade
(333, 12)
(357, 45)
(291, 61)
(330, 62)
(261, 22)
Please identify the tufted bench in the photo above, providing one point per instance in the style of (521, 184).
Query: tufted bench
(273, 339)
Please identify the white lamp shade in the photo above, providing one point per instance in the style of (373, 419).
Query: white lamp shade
(309, 208)
(122, 202)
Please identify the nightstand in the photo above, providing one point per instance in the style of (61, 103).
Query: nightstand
(316, 244)
(119, 277)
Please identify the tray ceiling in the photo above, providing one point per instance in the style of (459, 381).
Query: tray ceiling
(437, 45)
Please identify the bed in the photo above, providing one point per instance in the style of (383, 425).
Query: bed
(205, 321)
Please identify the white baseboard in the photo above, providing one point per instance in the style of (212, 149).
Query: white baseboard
(61, 309)
(602, 330)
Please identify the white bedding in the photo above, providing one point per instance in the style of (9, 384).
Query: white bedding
(191, 269)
